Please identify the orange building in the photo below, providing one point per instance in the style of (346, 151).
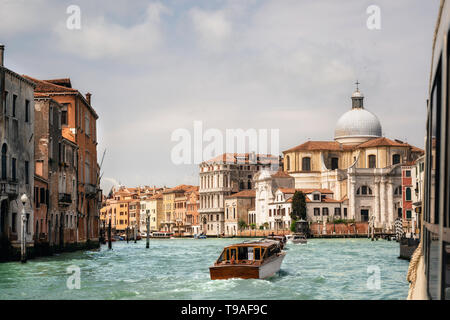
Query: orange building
(78, 124)
(192, 217)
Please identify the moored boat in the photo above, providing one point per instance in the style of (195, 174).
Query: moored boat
(248, 260)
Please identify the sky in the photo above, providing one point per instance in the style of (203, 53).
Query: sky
(154, 67)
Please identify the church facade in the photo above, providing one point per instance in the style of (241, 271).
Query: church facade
(360, 166)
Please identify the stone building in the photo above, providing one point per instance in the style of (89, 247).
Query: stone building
(266, 184)
(220, 177)
(237, 207)
(174, 206)
(152, 207)
(55, 176)
(78, 125)
(192, 216)
(320, 206)
(359, 164)
(17, 167)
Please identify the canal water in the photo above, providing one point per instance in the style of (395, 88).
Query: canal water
(178, 269)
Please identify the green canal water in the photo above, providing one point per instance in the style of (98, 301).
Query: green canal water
(178, 269)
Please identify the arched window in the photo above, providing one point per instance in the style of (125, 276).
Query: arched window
(395, 159)
(408, 194)
(4, 160)
(249, 185)
(288, 164)
(364, 190)
(372, 161)
(306, 164)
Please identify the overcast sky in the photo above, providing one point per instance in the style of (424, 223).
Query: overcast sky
(153, 67)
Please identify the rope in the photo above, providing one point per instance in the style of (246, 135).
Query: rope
(411, 276)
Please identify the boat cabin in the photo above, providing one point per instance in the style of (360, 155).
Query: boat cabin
(248, 253)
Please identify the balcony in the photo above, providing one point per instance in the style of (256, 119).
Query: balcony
(64, 199)
(9, 188)
(90, 190)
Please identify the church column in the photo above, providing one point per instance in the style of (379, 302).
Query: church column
(383, 200)
(377, 203)
(390, 199)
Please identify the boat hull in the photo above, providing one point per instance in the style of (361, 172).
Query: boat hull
(267, 269)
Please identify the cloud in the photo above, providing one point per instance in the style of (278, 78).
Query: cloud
(99, 38)
(21, 16)
(212, 27)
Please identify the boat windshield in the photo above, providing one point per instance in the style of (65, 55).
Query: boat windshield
(243, 253)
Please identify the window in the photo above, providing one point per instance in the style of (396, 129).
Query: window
(316, 197)
(398, 191)
(364, 215)
(334, 163)
(325, 211)
(27, 172)
(51, 115)
(345, 212)
(42, 195)
(395, 159)
(14, 222)
(27, 110)
(337, 211)
(364, 190)
(86, 124)
(4, 162)
(64, 117)
(372, 161)
(408, 194)
(14, 105)
(399, 213)
(306, 164)
(408, 214)
(14, 168)
(5, 103)
(288, 165)
(408, 173)
(316, 211)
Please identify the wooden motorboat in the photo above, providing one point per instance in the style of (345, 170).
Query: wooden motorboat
(298, 238)
(248, 260)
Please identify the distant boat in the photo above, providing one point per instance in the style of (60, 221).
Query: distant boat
(200, 236)
(298, 238)
(249, 260)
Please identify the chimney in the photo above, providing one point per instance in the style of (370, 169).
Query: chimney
(2, 51)
(88, 98)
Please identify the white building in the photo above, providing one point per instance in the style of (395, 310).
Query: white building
(266, 184)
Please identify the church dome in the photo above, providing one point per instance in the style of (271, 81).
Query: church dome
(358, 124)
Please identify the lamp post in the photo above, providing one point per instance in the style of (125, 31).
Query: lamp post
(23, 246)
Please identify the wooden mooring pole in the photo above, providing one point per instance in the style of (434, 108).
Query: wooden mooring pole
(147, 245)
(109, 235)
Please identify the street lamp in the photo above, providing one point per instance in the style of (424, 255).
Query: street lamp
(23, 246)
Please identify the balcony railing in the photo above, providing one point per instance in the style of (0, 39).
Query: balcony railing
(65, 199)
(90, 190)
(9, 187)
